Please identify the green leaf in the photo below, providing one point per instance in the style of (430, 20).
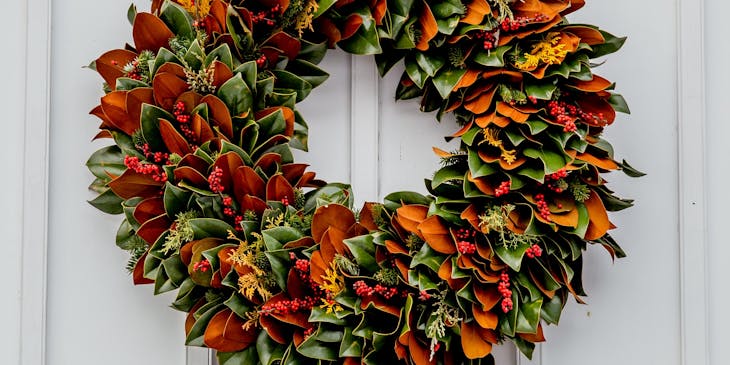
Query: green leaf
(430, 63)
(289, 81)
(313, 349)
(210, 227)
(238, 30)
(163, 56)
(611, 45)
(630, 171)
(529, 317)
(494, 58)
(236, 94)
(248, 71)
(541, 91)
(512, 256)
(280, 262)
(447, 173)
(131, 13)
(247, 356)
(428, 257)
(446, 79)
(552, 309)
(106, 161)
(350, 346)
(126, 84)
(108, 202)
(269, 350)
(365, 41)
(395, 200)
(309, 72)
(415, 73)
(175, 199)
(619, 104)
(223, 54)
(150, 123)
(275, 238)
(363, 249)
(177, 19)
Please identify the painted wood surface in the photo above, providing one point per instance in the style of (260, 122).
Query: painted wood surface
(664, 304)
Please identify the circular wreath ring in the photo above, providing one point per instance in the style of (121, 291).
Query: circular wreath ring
(273, 265)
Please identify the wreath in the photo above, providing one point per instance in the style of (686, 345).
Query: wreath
(272, 265)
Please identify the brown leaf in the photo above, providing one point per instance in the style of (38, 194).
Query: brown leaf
(131, 184)
(148, 209)
(476, 11)
(150, 33)
(151, 230)
(476, 341)
(167, 88)
(437, 235)
(225, 332)
(429, 27)
(485, 318)
(110, 65)
(599, 223)
(114, 107)
(333, 215)
(219, 115)
(410, 216)
(138, 273)
(173, 140)
(278, 188)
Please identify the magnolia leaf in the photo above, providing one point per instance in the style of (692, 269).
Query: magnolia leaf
(237, 96)
(365, 40)
(177, 19)
(210, 227)
(512, 256)
(108, 202)
(446, 79)
(106, 162)
(493, 58)
(247, 356)
(289, 81)
(415, 73)
(223, 54)
(363, 249)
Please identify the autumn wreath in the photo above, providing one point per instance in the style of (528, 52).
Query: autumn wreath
(273, 265)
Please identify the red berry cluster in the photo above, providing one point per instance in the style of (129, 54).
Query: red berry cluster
(424, 296)
(466, 248)
(503, 188)
(542, 205)
(215, 180)
(489, 40)
(564, 114)
(135, 74)
(261, 61)
(363, 290)
(230, 211)
(183, 118)
(285, 201)
(289, 306)
(308, 332)
(266, 16)
(533, 251)
(517, 23)
(201, 266)
(155, 171)
(552, 181)
(505, 291)
(464, 240)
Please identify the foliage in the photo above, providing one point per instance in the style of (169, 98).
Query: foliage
(273, 265)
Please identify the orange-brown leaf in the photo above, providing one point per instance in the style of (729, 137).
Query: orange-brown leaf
(334, 215)
(475, 341)
(150, 32)
(599, 223)
(225, 332)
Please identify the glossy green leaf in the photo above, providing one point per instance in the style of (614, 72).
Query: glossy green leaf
(223, 54)
(150, 122)
(365, 41)
(363, 250)
(106, 161)
(108, 202)
(512, 256)
(210, 227)
(177, 19)
(494, 58)
(446, 79)
(175, 199)
(236, 95)
(288, 81)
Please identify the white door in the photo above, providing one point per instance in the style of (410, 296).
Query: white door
(634, 315)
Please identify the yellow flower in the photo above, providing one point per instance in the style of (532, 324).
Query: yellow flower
(198, 8)
(491, 136)
(330, 305)
(334, 283)
(549, 51)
